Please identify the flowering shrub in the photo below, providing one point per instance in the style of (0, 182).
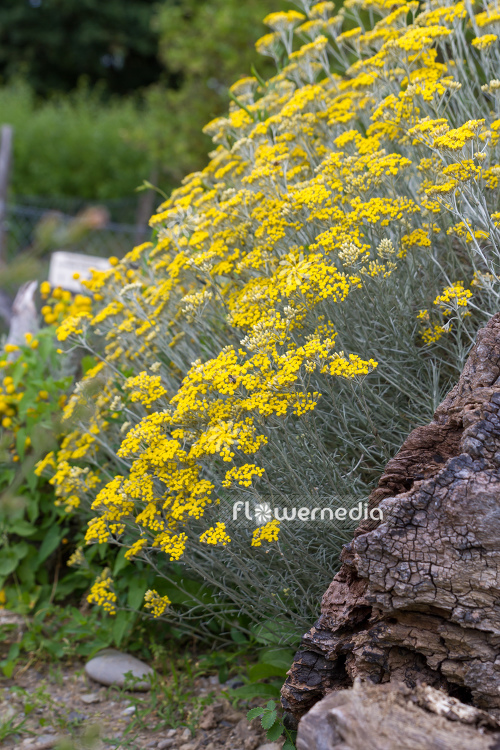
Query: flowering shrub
(306, 300)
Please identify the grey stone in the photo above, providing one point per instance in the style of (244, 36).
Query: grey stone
(128, 711)
(109, 667)
(270, 746)
(90, 698)
(163, 744)
(6, 714)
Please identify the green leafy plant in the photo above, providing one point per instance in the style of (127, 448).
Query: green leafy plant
(305, 302)
(271, 718)
(32, 528)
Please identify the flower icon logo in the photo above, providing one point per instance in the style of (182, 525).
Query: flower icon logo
(263, 513)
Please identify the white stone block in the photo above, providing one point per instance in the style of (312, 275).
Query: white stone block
(64, 265)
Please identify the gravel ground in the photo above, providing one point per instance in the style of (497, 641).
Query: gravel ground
(46, 707)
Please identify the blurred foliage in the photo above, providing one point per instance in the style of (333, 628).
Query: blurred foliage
(207, 46)
(31, 527)
(72, 145)
(52, 43)
(89, 144)
(37, 536)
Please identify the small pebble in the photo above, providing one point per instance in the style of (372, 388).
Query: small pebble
(171, 733)
(186, 735)
(128, 711)
(76, 717)
(163, 744)
(90, 698)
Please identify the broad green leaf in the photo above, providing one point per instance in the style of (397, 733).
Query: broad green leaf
(254, 712)
(50, 543)
(10, 557)
(238, 637)
(261, 671)
(281, 658)
(22, 528)
(122, 623)
(268, 719)
(136, 591)
(276, 632)
(120, 562)
(275, 732)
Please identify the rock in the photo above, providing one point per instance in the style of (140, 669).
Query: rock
(208, 718)
(188, 746)
(235, 716)
(45, 742)
(252, 742)
(109, 667)
(75, 717)
(272, 746)
(90, 698)
(394, 717)
(7, 713)
(186, 735)
(163, 744)
(234, 682)
(171, 733)
(417, 598)
(128, 711)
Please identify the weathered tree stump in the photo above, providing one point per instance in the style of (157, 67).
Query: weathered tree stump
(418, 597)
(393, 717)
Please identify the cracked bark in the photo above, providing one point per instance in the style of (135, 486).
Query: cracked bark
(417, 598)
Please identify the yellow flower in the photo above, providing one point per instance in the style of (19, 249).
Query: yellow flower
(267, 533)
(45, 289)
(102, 594)
(485, 41)
(156, 603)
(216, 535)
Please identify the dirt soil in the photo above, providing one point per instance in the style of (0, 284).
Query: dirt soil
(60, 707)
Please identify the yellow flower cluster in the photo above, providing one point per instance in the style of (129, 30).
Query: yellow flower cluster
(61, 305)
(221, 339)
(102, 594)
(145, 388)
(242, 475)
(267, 533)
(156, 603)
(453, 296)
(216, 535)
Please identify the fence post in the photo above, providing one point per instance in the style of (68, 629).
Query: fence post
(5, 166)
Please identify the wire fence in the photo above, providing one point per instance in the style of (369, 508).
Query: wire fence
(115, 236)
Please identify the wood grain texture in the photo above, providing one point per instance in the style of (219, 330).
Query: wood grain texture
(417, 598)
(393, 717)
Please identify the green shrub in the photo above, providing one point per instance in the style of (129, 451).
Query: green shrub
(307, 300)
(31, 527)
(73, 145)
(53, 44)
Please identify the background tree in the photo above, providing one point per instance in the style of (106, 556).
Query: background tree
(52, 43)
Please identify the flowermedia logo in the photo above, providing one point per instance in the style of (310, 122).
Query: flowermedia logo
(263, 513)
